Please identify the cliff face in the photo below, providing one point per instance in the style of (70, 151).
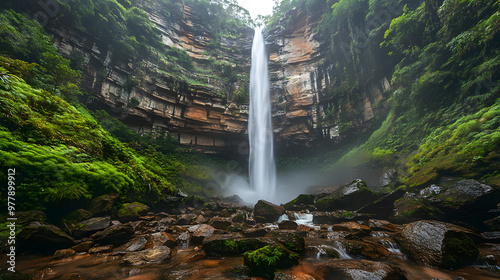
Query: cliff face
(146, 96)
(301, 74)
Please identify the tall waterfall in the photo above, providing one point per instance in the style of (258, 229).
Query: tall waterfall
(262, 168)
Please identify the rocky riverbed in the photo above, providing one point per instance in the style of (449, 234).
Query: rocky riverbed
(308, 238)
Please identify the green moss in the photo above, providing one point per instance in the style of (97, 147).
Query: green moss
(458, 250)
(264, 261)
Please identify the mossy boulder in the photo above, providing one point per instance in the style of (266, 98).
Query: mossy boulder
(348, 197)
(290, 239)
(265, 261)
(438, 244)
(44, 237)
(267, 212)
(301, 202)
(25, 218)
(77, 216)
(91, 226)
(132, 211)
(233, 244)
(410, 208)
(103, 205)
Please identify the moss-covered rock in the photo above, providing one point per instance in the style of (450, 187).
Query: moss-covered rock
(233, 244)
(91, 226)
(117, 234)
(301, 202)
(267, 212)
(76, 217)
(264, 261)
(348, 197)
(410, 207)
(103, 205)
(132, 211)
(290, 239)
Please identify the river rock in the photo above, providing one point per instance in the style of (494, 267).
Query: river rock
(83, 246)
(411, 207)
(43, 236)
(132, 211)
(220, 223)
(264, 261)
(185, 219)
(233, 244)
(351, 269)
(381, 225)
(103, 205)
(438, 244)
(137, 244)
(255, 232)
(290, 239)
(266, 212)
(159, 239)
(101, 249)
(75, 217)
(91, 226)
(117, 234)
(288, 225)
(301, 202)
(348, 197)
(365, 249)
(148, 256)
(64, 253)
(201, 232)
(353, 228)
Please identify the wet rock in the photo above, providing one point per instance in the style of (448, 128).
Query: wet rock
(72, 276)
(381, 225)
(491, 236)
(348, 197)
(288, 225)
(358, 269)
(168, 204)
(43, 236)
(301, 202)
(220, 223)
(384, 206)
(280, 275)
(365, 249)
(185, 219)
(352, 228)
(26, 218)
(290, 239)
(201, 232)
(493, 224)
(137, 245)
(255, 232)
(77, 216)
(103, 205)
(238, 218)
(159, 239)
(148, 256)
(101, 249)
(118, 234)
(233, 244)
(410, 207)
(336, 217)
(64, 253)
(91, 226)
(132, 211)
(266, 212)
(194, 201)
(322, 251)
(235, 199)
(83, 246)
(264, 261)
(200, 219)
(438, 244)
(184, 238)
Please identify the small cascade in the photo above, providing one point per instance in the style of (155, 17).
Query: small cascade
(391, 246)
(282, 218)
(340, 248)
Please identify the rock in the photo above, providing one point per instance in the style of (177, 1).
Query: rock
(132, 211)
(233, 244)
(220, 223)
(75, 217)
(91, 226)
(103, 205)
(200, 219)
(43, 236)
(238, 218)
(160, 239)
(322, 251)
(255, 232)
(301, 202)
(365, 249)
(352, 228)
(194, 201)
(71, 276)
(438, 244)
(348, 197)
(101, 249)
(266, 212)
(337, 216)
(148, 256)
(351, 269)
(493, 224)
(264, 261)
(168, 204)
(410, 207)
(25, 218)
(185, 219)
(83, 246)
(64, 253)
(290, 239)
(184, 238)
(201, 232)
(384, 206)
(288, 225)
(235, 199)
(117, 234)
(282, 275)
(381, 225)
(137, 245)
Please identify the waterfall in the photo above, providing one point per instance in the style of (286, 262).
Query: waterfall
(262, 169)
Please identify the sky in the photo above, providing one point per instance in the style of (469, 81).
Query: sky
(257, 7)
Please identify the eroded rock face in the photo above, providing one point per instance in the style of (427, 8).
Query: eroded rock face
(438, 244)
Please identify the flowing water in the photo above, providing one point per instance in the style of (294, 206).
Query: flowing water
(262, 168)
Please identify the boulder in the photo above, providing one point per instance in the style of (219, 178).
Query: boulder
(301, 202)
(288, 225)
(64, 253)
(168, 204)
(411, 207)
(438, 244)
(25, 218)
(88, 227)
(159, 239)
(381, 225)
(201, 232)
(103, 205)
(132, 211)
(255, 232)
(148, 256)
(83, 246)
(266, 212)
(186, 219)
(353, 228)
(366, 249)
(290, 239)
(233, 244)
(352, 269)
(264, 261)
(117, 234)
(45, 237)
(75, 217)
(136, 244)
(220, 223)
(348, 197)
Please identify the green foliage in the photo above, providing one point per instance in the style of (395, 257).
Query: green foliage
(181, 57)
